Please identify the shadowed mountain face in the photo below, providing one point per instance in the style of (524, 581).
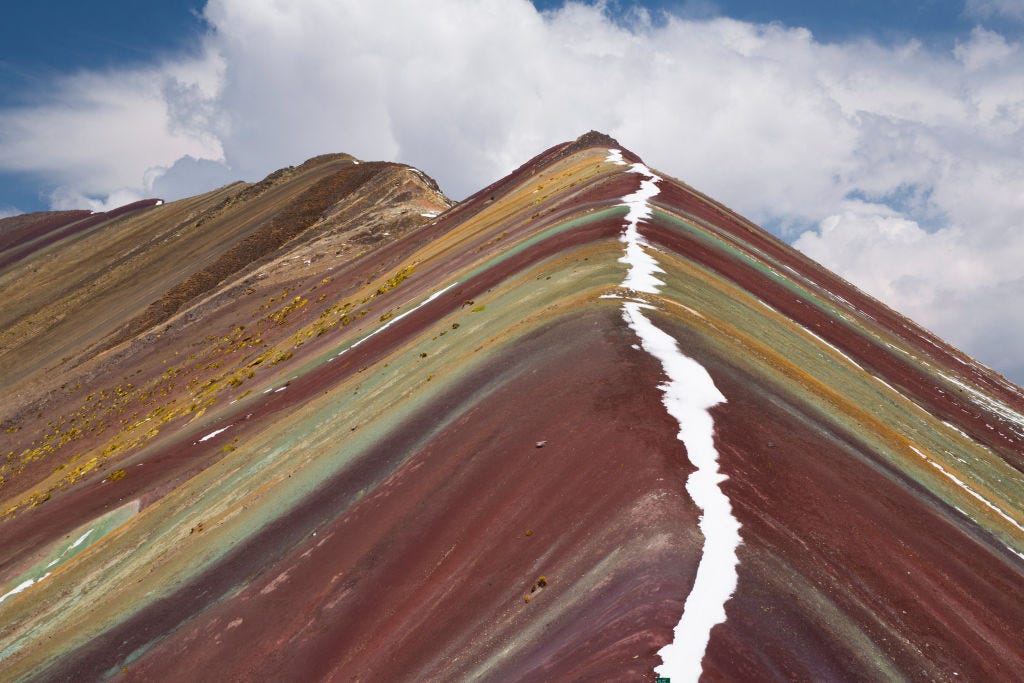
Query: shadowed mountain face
(586, 425)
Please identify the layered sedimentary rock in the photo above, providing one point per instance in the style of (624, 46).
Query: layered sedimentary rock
(584, 425)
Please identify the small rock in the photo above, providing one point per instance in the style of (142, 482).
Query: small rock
(542, 444)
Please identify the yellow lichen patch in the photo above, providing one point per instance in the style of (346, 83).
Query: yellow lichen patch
(280, 316)
(395, 280)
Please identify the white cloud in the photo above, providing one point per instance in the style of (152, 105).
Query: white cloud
(882, 149)
(964, 287)
(65, 198)
(8, 211)
(101, 132)
(1006, 9)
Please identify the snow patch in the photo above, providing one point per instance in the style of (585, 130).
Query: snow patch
(214, 433)
(27, 583)
(615, 157)
(689, 394)
(642, 266)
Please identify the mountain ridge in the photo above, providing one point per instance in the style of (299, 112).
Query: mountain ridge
(442, 417)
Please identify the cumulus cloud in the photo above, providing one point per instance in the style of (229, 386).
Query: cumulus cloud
(941, 238)
(8, 211)
(98, 134)
(899, 165)
(965, 287)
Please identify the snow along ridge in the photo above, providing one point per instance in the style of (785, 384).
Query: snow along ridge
(689, 394)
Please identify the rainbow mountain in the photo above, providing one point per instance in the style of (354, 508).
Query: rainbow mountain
(587, 424)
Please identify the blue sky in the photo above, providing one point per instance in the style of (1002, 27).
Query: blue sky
(888, 20)
(884, 139)
(43, 41)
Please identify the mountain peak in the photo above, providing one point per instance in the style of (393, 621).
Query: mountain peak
(594, 138)
(586, 424)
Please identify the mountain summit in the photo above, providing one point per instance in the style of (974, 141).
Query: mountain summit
(587, 424)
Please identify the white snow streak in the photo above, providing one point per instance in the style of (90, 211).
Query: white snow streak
(27, 583)
(958, 430)
(834, 348)
(990, 402)
(689, 394)
(81, 539)
(956, 480)
(642, 266)
(396, 319)
(214, 433)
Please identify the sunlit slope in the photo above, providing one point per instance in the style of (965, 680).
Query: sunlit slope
(447, 455)
(108, 277)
